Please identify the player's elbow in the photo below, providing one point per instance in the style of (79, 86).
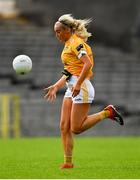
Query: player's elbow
(88, 64)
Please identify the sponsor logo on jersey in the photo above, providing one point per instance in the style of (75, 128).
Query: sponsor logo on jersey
(79, 47)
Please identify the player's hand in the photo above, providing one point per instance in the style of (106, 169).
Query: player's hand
(75, 90)
(50, 93)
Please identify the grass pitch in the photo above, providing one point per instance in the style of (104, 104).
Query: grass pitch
(93, 158)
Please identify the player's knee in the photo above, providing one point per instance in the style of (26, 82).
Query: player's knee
(75, 130)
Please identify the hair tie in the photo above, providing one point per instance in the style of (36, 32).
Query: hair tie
(65, 24)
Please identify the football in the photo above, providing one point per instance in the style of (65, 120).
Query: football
(22, 64)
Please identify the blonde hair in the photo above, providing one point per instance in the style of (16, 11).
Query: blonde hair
(77, 25)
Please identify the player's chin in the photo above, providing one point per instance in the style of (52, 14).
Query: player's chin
(60, 39)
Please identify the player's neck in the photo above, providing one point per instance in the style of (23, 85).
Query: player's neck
(69, 39)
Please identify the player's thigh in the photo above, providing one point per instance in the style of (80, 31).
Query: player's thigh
(79, 113)
(65, 114)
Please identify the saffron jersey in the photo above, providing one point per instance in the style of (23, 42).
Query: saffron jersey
(73, 50)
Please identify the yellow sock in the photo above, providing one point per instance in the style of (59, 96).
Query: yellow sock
(104, 114)
(68, 159)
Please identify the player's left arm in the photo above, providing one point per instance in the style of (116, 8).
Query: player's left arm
(87, 65)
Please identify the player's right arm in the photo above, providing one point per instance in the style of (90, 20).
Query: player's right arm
(50, 92)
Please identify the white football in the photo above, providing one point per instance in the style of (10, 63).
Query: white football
(22, 64)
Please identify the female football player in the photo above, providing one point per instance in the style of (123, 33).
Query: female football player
(77, 59)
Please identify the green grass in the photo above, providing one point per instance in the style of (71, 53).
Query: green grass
(93, 157)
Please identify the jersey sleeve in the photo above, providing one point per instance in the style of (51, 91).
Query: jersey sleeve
(79, 49)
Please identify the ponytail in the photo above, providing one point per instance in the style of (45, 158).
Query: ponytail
(77, 25)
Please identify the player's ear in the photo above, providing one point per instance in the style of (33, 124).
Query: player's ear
(68, 29)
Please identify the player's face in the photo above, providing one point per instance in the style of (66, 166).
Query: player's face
(62, 33)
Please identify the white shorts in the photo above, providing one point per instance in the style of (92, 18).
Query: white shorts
(86, 94)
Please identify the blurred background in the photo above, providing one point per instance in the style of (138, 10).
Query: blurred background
(26, 27)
